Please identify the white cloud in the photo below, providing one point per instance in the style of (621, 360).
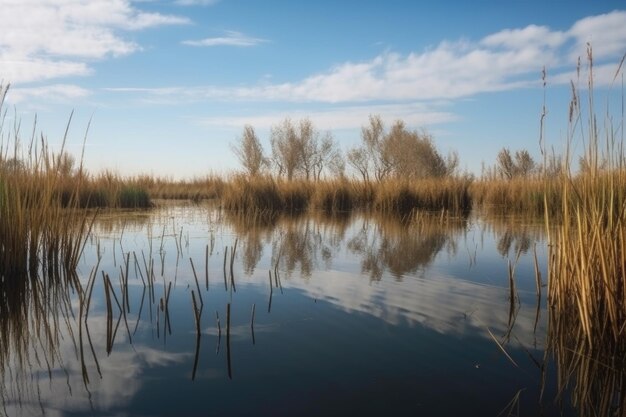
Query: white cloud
(350, 117)
(53, 92)
(502, 61)
(46, 39)
(196, 2)
(531, 35)
(606, 33)
(231, 38)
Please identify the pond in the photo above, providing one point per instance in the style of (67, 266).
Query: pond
(190, 310)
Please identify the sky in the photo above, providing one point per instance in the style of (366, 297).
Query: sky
(165, 87)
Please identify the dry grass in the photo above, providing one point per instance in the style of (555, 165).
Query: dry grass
(333, 196)
(209, 187)
(519, 195)
(587, 267)
(403, 197)
(39, 233)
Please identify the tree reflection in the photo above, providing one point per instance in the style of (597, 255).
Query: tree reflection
(514, 234)
(403, 247)
(302, 243)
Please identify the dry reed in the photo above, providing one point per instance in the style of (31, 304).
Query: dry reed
(587, 267)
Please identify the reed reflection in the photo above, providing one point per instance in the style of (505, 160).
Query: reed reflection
(35, 315)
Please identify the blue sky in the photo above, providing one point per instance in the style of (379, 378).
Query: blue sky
(169, 85)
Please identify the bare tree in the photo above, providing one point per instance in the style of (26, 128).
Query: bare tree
(452, 162)
(358, 158)
(506, 166)
(524, 163)
(374, 139)
(329, 156)
(250, 152)
(399, 152)
(286, 152)
(413, 154)
(308, 141)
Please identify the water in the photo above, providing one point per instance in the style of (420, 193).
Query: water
(353, 315)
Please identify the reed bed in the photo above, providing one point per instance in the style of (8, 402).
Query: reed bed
(39, 232)
(105, 190)
(265, 194)
(587, 267)
(196, 189)
(518, 195)
(403, 197)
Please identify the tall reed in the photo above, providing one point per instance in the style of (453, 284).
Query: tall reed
(587, 266)
(37, 233)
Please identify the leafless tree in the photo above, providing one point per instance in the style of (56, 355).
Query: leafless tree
(358, 158)
(250, 152)
(506, 166)
(328, 156)
(524, 163)
(286, 152)
(413, 154)
(308, 141)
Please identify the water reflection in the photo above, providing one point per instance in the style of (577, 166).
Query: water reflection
(365, 299)
(403, 247)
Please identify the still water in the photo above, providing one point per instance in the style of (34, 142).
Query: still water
(189, 310)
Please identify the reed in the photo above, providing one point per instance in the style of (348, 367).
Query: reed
(518, 195)
(402, 196)
(38, 233)
(269, 195)
(587, 267)
(333, 196)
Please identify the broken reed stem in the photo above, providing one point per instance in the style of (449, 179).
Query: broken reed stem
(109, 310)
(225, 255)
(195, 276)
(206, 267)
(126, 297)
(537, 272)
(228, 358)
(167, 307)
(269, 304)
(232, 261)
(538, 289)
(196, 315)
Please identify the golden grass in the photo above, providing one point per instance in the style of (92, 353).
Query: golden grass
(39, 232)
(402, 197)
(202, 188)
(518, 195)
(333, 196)
(586, 273)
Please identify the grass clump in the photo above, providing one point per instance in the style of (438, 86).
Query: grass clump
(518, 195)
(402, 197)
(333, 196)
(39, 231)
(587, 269)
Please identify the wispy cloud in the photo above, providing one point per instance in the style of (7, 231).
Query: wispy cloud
(45, 39)
(230, 38)
(196, 2)
(502, 61)
(53, 92)
(341, 117)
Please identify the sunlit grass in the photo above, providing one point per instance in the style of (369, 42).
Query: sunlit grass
(587, 267)
(40, 231)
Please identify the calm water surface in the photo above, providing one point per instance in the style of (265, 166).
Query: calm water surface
(353, 315)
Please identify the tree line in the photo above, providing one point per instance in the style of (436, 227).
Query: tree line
(300, 150)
